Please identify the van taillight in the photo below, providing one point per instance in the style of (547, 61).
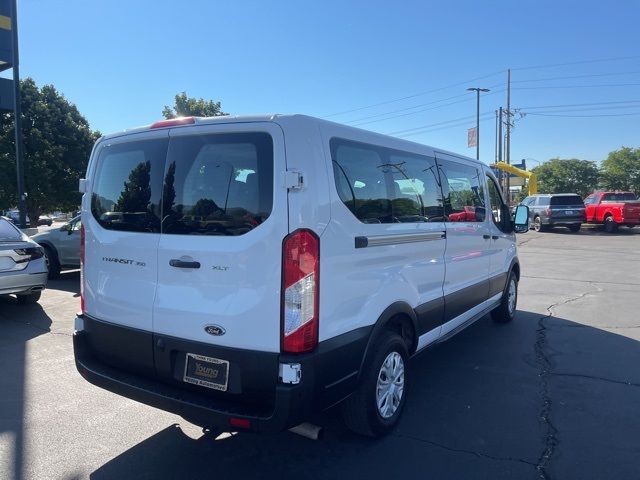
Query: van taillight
(548, 211)
(300, 282)
(81, 268)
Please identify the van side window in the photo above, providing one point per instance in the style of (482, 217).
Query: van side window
(381, 185)
(463, 192)
(128, 185)
(219, 184)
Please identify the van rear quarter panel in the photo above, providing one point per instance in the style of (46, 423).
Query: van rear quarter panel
(118, 263)
(358, 284)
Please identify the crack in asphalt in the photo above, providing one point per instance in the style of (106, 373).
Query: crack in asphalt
(544, 362)
(469, 452)
(594, 377)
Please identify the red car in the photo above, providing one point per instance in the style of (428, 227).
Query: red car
(612, 209)
(468, 214)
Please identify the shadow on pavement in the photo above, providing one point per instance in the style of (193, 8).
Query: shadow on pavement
(68, 281)
(493, 402)
(18, 325)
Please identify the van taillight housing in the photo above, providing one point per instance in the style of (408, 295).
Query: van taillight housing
(300, 291)
(81, 268)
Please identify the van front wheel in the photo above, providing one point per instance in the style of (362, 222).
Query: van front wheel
(506, 311)
(375, 407)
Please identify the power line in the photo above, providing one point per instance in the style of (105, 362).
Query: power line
(484, 114)
(576, 76)
(589, 109)
(586, 116)
(581, 62)
(611, 59)
(446, 127)
(578, 86)
(465, 94)
(420, 111)
(414, 95)
(581, 104)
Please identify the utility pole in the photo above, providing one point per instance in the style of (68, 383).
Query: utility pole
(477, 90)
(18, 118)
(508, 140)
(500, 144)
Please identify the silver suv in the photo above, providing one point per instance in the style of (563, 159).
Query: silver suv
(61, 246)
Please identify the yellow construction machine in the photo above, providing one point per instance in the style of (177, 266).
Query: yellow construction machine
(532, 181)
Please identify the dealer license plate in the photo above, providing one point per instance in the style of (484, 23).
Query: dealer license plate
(206, 371)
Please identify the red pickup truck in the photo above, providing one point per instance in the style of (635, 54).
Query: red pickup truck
(612, 209)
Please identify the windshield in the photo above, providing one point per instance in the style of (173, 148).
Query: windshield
(9, 233)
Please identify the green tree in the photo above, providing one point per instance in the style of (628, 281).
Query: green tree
(567, 176)
(189, 106)
(621, 170)
(137, 190)
(57, 144)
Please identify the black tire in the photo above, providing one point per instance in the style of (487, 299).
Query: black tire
(610, 226)
(537, 224)
(29, 298)
(360, 411)
(574, 228)
(506, 312)
(52, 262)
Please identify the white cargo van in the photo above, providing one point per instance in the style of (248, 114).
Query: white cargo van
(244, 271)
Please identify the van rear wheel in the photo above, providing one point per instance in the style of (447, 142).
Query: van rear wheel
(375, 407)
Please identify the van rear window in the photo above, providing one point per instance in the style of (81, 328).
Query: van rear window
(128, 185)
(220, 184)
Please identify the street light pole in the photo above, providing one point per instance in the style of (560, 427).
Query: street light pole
(477, 90)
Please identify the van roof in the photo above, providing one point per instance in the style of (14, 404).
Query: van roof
(277, 118)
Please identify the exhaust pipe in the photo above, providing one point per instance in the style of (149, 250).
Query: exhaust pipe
(308, 430)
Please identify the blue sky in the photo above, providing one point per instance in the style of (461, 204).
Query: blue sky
(121, 61)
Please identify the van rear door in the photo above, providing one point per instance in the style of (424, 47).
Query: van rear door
(121, 217)
(224, 219)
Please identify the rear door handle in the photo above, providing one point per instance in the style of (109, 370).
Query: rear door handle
(486, 237)
(174, 262)
(495, 237)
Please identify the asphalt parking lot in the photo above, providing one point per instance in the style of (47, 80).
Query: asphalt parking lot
(555, 394)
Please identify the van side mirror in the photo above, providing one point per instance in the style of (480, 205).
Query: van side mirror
(521, 222)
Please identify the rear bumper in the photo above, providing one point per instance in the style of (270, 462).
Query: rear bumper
(559, 222)
(22, 282)
(268, 405)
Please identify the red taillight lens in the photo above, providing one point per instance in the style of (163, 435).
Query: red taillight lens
(81, 268)
(173, 122)
(240, 422)
(31, 253)
(300, 293)
(548, 211)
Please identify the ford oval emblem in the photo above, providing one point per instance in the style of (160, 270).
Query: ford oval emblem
(214, 330)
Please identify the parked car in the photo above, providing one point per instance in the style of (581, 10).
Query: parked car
(555, 210)
(613, 209)
(61, 246)
(45, 220)
(308, 292)
(23, 270)
(14, 217)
